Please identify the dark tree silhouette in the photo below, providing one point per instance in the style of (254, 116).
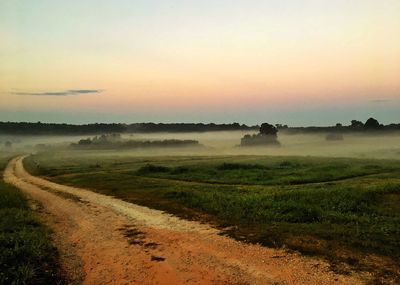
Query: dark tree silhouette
(85, 142)
(281, 126)
(268, 129)
(372, 124)
(356, 124)
(113, 141)
(266, 136)
(25, 128)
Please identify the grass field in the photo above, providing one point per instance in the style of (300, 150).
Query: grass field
(26, 253)
(340, 208)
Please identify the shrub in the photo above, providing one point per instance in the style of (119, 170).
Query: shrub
(151, 168)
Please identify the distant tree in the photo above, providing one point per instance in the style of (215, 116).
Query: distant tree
(266, 136)
(85, 142)
(356, 124)
(281, 126)
(372, 124)
(339, 125)
(268, 129)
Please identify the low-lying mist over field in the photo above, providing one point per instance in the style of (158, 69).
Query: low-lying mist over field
(227, 143)
(331, 192)
(340, 208)
(353, 145)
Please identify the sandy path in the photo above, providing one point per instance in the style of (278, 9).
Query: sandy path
(122, 243)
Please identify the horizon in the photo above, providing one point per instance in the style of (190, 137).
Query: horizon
(299, 63)
(196, 123)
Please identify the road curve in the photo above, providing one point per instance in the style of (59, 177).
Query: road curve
(117, 242)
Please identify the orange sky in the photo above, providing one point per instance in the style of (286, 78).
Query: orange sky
(159, 60)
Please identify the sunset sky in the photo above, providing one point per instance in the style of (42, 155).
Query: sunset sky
(299, 62)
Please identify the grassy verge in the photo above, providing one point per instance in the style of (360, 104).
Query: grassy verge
(343, 209)
(26, 253)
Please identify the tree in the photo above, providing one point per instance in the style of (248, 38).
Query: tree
(356, 124)
(372, 124)
(85, 142)
(268, 129)
(266, 136)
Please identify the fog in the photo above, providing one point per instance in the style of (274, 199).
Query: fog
(226, 143)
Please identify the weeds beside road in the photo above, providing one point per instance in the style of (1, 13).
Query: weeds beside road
(26, 253)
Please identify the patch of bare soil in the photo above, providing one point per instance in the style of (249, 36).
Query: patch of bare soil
(117, 242)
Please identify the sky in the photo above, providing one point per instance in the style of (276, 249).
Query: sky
(298, 62)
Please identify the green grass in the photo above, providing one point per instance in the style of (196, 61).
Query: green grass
(271, 172)
(323, 206)
(26, 253)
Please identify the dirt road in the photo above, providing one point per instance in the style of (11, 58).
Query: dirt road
(115, 242)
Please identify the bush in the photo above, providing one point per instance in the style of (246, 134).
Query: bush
(259, 140)
(151, 168)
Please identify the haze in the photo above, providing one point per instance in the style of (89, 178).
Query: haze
(296, 62)
(379, 146)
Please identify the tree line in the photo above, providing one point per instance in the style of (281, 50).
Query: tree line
(26, 128)
(115, 141)
(370, 125)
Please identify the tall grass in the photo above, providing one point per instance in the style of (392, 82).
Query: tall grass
(26, 253)
(283, 171)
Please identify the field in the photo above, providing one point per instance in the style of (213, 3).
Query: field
(344, 209)
(26, 253)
